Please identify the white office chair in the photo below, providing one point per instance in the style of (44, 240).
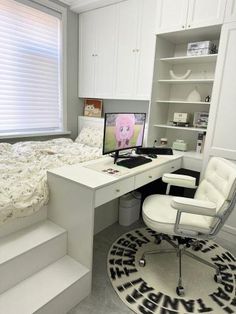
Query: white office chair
(190, 220)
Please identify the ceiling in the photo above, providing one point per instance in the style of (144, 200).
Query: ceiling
(79, 6)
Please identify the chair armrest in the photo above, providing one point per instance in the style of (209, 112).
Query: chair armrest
(193, 206)
(179, 180)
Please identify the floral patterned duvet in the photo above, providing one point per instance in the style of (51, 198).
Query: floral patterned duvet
(23, 167)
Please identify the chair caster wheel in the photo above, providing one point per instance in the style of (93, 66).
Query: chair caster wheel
(197, 247)
(180, 291)
(142, 262)
(158, 240)
(218, 278)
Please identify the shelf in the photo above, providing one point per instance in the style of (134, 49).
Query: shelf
(191, 59)
(189, 154)
(180, 128)
(183, 102)
(190, 81)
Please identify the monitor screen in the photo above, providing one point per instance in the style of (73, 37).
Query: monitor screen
(123, 131)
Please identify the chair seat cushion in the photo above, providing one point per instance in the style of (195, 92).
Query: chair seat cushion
(160, 216)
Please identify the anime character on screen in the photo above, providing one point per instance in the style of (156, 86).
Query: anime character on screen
(124, 130)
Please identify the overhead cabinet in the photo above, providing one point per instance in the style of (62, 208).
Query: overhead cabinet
(97, 43)
(117, 46)
(230, 13)
(135, 49)
(188, 14)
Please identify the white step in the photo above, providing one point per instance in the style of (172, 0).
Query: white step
(17, 224)
(29, 250)
(53, 290)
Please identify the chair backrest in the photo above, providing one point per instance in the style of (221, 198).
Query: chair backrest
(218, 184)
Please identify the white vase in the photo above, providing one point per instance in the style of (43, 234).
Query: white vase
(194, 96)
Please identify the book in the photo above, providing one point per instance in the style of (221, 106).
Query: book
(201, 142)
(93, 108)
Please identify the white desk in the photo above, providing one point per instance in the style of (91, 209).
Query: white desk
(76, 190)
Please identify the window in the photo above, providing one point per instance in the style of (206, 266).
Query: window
(30, 69)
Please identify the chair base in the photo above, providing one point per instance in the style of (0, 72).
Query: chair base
(180, 249)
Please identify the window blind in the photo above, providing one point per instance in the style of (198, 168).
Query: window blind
(30, 69)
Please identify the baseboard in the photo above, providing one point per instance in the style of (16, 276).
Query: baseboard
(227, 233)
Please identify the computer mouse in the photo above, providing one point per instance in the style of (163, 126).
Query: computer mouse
(152, 155)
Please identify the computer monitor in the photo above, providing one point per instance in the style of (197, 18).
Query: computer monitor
(123, 131)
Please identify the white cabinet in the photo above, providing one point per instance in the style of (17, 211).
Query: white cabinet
(86, 53)
(230, 13)
(105, 51)
(136, 48)
(205, 13)
(171, 15)
(126, 49)
(97, 42)
(146, 50)
(116, 53)
(191, 14)
(222, 127)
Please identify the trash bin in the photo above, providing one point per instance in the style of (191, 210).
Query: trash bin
(129, 208)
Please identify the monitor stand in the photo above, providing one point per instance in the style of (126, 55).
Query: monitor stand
(117, 156)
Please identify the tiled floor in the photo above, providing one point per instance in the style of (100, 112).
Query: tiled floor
(103, 299)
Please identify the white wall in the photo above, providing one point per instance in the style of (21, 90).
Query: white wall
(74, 107)
(111, 105)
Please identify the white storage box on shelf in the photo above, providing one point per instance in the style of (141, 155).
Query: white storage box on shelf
(201, 48)
(129, 208)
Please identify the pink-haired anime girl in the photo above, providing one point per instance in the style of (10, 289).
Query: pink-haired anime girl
(124, 130)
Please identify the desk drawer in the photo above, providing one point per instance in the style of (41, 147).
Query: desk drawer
(155, 173)
(111, 192)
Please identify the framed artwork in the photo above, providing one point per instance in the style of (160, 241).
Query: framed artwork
(93, 108)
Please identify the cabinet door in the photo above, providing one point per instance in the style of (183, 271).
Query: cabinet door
(105, 51)
(205, 13)
(222, 125)
(171, 15)
(126, 49)
(230, 14)
(87, 43)
(146, 49)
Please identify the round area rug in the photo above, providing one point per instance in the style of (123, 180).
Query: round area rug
(151, 289)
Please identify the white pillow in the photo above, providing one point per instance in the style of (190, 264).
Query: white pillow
(91, 136)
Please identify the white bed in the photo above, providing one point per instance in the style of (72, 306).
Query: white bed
(23, 167)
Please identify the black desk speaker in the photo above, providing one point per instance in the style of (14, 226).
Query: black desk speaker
(154, 150)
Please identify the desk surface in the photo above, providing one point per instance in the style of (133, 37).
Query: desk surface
(94, 179)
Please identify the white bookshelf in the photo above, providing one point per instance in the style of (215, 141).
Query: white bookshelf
(172, 95)
(189, 154)
(182, 102)
(191, 59)
(187, 81)
(166, 126)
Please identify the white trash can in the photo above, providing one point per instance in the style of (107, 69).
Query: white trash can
(129, 208)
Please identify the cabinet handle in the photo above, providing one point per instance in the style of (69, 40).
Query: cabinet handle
(182, 26)
(117, 190)
(137, 50)
(134, 50)
(189, 26)
(150, 177)
(172, 167)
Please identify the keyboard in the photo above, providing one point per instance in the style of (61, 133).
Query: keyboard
(134, 162)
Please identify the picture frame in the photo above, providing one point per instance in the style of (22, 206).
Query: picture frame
(93, 107)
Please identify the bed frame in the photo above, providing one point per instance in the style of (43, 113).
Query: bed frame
(89, 121)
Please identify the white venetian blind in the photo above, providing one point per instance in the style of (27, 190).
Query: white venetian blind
(30, 69)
